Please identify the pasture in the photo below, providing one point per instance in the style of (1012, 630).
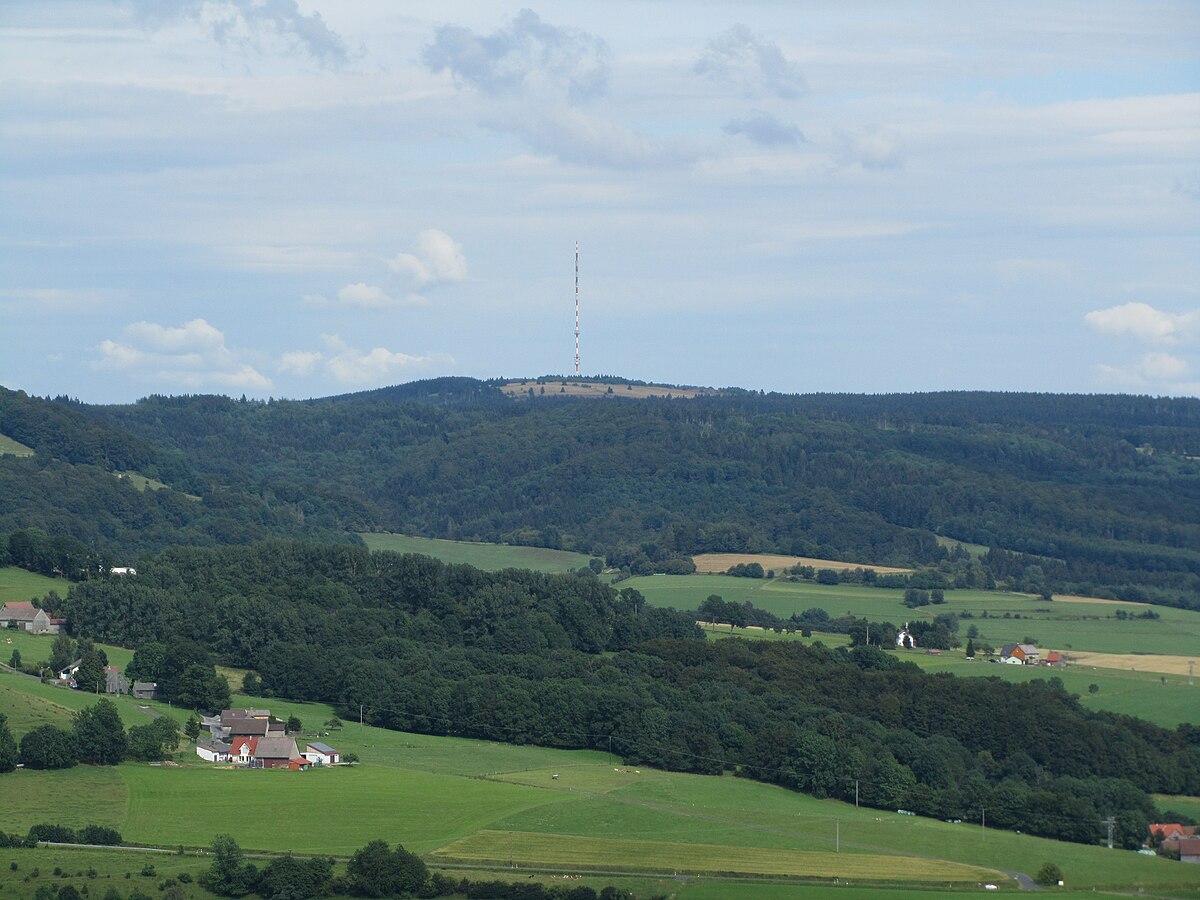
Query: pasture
(450, 797)
(490, 557)
(1000, 617)
(17, 584)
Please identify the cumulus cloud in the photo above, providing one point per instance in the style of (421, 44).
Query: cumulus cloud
(573, 136)
(244, 22)
(1156, 371)
(755, 65)
(193, 355)
(1143, 321)
(527, 53)
(299, 362)
(350, 366)
(439, 259)
(370, 296)
(765, 129)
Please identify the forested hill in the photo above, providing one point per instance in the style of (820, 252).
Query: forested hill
(1096, 494)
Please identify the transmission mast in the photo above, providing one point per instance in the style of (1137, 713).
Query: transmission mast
(577, 309)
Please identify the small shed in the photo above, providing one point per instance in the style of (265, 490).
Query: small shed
(214, 751)
(321, 754)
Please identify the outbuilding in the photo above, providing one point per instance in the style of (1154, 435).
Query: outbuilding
(321, 754)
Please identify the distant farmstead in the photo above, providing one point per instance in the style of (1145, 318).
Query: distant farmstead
(122, 570)
(24, 616)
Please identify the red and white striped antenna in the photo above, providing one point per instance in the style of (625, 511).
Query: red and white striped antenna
(577, 309)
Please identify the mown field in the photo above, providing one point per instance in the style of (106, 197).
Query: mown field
(1010, 617)
(17, 584)
(9, 447)
(491, 557)
(451, 797)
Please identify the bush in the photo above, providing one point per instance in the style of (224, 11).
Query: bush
(55, 833)
(96, 834)
(1048, 875)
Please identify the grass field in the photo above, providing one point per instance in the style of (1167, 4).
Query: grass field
(37, 647)
(1065, 626)
(572, 851)
(1189, 806)
(9, 447)
(17, 584)
(490, 557)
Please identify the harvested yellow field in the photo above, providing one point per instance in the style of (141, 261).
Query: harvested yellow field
(1139, 662)
(716, 563)
(519, 389)
(1072, 598)
(574, 851)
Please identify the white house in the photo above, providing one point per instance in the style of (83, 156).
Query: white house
(122, 570)
(213, 751)
(321, 754)
(905, 640)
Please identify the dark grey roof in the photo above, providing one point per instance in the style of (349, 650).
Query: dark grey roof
(322, 748)
(276, 748)
(215, 746)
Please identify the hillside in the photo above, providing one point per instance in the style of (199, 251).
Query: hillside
(1094, 495)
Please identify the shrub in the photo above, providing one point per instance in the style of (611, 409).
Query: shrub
(1048, 875)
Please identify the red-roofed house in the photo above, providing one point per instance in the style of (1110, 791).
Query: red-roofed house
(1168, 834)
(1054, 658)
(241, 750)
(1189, 850)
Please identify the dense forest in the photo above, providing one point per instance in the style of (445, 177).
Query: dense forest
(1084, 494)
(569, 661)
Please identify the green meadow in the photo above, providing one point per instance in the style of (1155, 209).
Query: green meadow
(1010, 617)
(17, 584)
(491, 557)
(455, 799)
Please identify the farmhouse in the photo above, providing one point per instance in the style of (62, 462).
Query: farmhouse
(1054, 658)
(1019, 654)
(321, 754)
(275, 753)
(213, 751)
(24, 616)
(241, 750)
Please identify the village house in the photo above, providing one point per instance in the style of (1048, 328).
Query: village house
(241, 750)
(25, 616)
(1168, 834)
(1019, 654)
(321, 754)
(905, 640)
(122, 570)
(276, 753)
(1054, 658)
(68, 674)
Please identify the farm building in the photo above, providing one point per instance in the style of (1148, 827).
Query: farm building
(69, 672)
(145, 690)
(321, 754)
(1189, 850)
(1019, 654)
(213, 751)
(24, 616)
(122, 570)
(275, 753)
(1054, 658)
(906, 640)
(114, 681)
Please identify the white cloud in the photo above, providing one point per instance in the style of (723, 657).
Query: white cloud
(300, 362)
(193, 355)
(51, 299)
(441, 259)
(1143, 321)
(350, 366)
(765, 129)
(366, 295)
(871, 148)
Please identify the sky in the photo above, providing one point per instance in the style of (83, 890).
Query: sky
(298, 198)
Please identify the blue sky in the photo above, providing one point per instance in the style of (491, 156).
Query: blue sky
(295, 199)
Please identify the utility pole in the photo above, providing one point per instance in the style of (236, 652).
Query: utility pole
(856, 793)
(983, 820)
(837, 835)
(1110, 822)
(360, 714)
